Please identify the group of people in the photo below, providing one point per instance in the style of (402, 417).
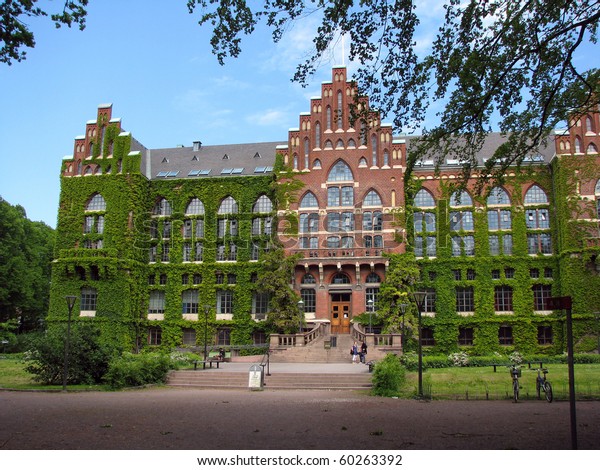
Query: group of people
(358, 354)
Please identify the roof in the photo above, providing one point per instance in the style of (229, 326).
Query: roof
(211, 160)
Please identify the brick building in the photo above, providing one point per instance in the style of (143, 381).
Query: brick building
(160, 241)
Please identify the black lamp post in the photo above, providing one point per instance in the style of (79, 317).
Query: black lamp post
(370, 308)
(301, 311)
(420, 301)
(206, 310)
(403, 310)
(70, 304)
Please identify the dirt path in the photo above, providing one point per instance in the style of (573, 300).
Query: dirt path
(167, 418)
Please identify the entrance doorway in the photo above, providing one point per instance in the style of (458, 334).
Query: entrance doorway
(340, 313)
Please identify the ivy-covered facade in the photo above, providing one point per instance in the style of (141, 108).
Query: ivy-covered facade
(162, 246)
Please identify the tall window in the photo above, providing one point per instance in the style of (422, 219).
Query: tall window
(225, 302)
(465, 299)
(94, 222)
(260, 304)
(96, 203)
(541, 292)
(162, 207)
(157, 302)
(309, 298)
(89, 297)
(309, 223)
(195, 207)
(503, 299)
(189, 301)
(536, 195)
(374, 150)
(309, 200)
(424, 199)
(371, 298)
(498, 196)
(228, 206)
(372, 199)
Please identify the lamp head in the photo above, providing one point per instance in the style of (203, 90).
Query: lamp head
(420, 297)
(71, 299)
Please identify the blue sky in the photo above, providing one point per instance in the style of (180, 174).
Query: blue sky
(153, 62)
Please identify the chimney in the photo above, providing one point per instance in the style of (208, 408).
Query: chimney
(197, 145)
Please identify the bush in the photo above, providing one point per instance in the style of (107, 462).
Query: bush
(388, 377)
(181, 359)
(133, 370)
(88, 358)
(459, 359)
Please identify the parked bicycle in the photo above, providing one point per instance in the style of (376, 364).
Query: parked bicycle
(515, 373)
(541, 383)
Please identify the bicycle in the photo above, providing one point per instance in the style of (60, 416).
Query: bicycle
(541, 383)
(515, 373)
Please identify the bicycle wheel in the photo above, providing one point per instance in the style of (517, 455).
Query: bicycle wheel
(516, 390)
(538, 389)
(548, 391)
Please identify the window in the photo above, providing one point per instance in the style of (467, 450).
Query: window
(197, 278)
(166, 231)
(374, 150)
(162, 279)
(494, 245)
(371, 298)
(505, 335)
(309, 200)
(340, 278)
(189, 301)
(507, 244)
(536, 195)
(461, 221)
(541, 292)
(424, 199)
(427, 336)
(372, 221)
(470, 274)
(189, 337)
(263, 205)
(509, 273)
(503, 296)
(499, 219)
(309, 223)
(373, 278)
(308, 279)
(498, 196)
(228, 206)
(465, 299)
(340, 172)
(539, 243)
(225, 302)
(456, 273)
(537, 218)
(372, 199)
(154, 336)
(195, 207)
(260, 304)
(495, 274)
(157, 302)
(430, 298)
(162, 207)
(548, 273)
(96, 203)
(460, 199)
(429, 249)
(424, 222)
(534, 273)
(333, 222)
(544, 335)
(223, 336)
(88, 299)
(309, 298)
(463, 245)
(187, 251)
(164, 256)
(465, 336)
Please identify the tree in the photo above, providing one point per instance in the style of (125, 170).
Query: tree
(510, 61)
(15, 34)
(284, 315)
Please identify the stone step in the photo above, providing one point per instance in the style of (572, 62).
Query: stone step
(204, 379)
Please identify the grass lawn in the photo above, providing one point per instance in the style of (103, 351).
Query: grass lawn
(480, 383)
(13, 376)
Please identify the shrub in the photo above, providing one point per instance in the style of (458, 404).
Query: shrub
(459, 359)
(388, 377)
(182, 359)
(132, 370)
(515, 358)
(88, 358)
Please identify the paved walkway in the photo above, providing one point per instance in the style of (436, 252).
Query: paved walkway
(299, 368)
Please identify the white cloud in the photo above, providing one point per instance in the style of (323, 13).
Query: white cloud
(268, 117)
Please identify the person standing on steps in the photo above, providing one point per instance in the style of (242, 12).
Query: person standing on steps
(354, 352)
(363, 352)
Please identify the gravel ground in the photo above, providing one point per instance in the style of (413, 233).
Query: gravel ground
(193, 419)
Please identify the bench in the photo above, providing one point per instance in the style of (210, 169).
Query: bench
(216, 360)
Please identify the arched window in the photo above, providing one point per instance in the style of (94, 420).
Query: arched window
(372, 199)
(306, 151)
(498, 195)
(162, 207)
(577, 144)
(317, 163)
(373, 278)
(461, 198)
(351, 144)
(340, 278)
(362, 162)
(318, 135)
(597, 188)
(339, 110)
(295, 162)
(374, 150)
(339, 144)
(424, 199)
(591, 148)
(88, 170)
(536, 195)
(340, 172)
(589, 124)
(195, 207)
(96, 203)
(328, 117)
(309, 200)
(308, 279)
(386, 158)
(263, 205)
(228, 206)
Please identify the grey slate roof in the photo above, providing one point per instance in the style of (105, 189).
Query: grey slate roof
(210, 161)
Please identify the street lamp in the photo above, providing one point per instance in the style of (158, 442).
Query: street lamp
(403, 310)
(206, 310)
(420, 297)
(70, 304)
(370, 308)
(597, 315)
(301, 311)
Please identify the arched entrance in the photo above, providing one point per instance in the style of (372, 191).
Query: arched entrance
(340, 312)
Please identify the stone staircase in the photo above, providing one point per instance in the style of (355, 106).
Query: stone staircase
(280, 380)
(316, 352)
